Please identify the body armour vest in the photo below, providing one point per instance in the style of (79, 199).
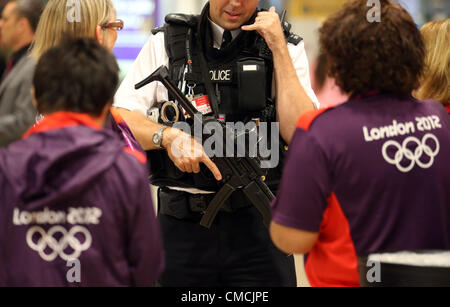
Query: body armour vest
(239, 83)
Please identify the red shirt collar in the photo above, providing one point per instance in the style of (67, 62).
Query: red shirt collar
(447, 107)
(60, 120)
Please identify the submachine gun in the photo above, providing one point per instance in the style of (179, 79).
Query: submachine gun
(243, 173)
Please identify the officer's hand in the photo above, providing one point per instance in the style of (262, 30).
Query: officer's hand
(268, 25)
(186, 153)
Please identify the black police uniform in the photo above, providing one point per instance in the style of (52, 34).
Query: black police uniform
(237, 250)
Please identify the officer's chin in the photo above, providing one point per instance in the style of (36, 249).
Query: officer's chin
(229, 25)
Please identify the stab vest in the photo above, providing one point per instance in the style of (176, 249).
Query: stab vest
(186, 36)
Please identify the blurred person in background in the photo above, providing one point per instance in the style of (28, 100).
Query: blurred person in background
(17, 26)
(71, 190)
(370, 175)
(3, 51)
(435, 81)
(98, 20)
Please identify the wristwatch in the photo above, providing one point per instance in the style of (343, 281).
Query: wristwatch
(157, 137)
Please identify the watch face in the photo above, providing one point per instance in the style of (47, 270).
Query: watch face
(156, 139)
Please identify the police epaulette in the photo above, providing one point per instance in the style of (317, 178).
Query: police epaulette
(157, 30)
(182, 20)
(294, 38)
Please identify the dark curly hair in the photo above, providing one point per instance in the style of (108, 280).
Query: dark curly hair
(78, 76)
(387, 56)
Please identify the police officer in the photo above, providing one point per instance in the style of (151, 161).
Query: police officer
(232, 54)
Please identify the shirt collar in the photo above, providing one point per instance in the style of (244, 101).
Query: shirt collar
(217, 32)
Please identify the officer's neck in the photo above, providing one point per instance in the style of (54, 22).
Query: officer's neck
(217, 32)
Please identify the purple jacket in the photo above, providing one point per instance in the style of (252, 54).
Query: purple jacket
(70, 190)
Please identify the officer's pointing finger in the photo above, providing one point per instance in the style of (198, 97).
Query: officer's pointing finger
(212, 167)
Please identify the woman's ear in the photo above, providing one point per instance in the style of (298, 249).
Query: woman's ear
(99, 35)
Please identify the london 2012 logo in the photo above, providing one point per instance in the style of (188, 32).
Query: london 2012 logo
(58, 242)
(67, 235)
(405, 158)
(413, 150)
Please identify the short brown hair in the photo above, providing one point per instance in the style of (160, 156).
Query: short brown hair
(435, 81)
(387, 56)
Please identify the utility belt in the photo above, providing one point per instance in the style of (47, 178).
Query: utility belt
(184, 205)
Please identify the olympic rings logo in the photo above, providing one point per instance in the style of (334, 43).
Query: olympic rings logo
(402, 152)
(47, 241)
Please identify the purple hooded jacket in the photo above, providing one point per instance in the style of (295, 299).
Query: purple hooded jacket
(75, 209)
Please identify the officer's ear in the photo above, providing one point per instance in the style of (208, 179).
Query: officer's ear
(99, 34)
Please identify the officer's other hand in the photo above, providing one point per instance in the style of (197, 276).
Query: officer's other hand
(187, 153)
(268, 25)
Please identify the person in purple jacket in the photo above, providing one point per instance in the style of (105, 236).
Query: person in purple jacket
(75, 208)
(369, 176)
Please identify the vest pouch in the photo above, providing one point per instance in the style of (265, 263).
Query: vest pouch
(251, 73)
(173, 203)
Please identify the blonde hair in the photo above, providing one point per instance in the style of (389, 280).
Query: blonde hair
(435, 81)
(55, 23)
